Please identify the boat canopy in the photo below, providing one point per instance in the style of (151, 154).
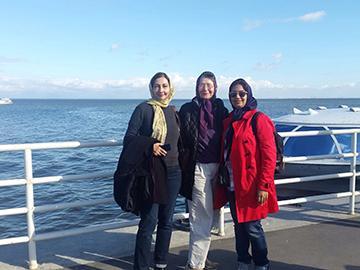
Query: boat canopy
(320, 118)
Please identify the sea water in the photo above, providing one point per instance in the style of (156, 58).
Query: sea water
(33, 121)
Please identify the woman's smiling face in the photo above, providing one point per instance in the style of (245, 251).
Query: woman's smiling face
(206, 88)
(238, 96)
(161, 88)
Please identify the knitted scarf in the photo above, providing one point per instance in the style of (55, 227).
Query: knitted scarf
(159, 126)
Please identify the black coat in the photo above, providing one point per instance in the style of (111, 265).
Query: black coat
(141, 177)
(189, 132)
(140, 124)
(134, 177)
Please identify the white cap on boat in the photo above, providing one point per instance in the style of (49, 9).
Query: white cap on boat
(312, 112)
(354, 109)
(308, 112)
(297, 111)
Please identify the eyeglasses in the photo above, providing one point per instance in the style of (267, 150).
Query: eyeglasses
(241, 94)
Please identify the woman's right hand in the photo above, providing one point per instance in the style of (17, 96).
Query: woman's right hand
(262, 196)
(158, 151)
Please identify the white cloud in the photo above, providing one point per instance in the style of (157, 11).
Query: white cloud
(340, 86)
(260, 84)
(249, 25)
(313, 16)
(182, 82)
(165, 58)
(10, 60)
(98, 85)
(138, 88)
(264, 66)
(277, 57)
(7, 84)
(276, 60)
(73, 88)
(114, 47)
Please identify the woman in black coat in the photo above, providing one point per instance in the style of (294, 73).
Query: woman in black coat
(154, 124)
(201, 129)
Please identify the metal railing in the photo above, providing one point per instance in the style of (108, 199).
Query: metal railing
(30, 208)
(30, 180)
(352, 174)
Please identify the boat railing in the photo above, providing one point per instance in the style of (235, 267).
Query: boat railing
(30, 181)
(352, 174)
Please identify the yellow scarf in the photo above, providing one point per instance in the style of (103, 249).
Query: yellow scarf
(159, 123)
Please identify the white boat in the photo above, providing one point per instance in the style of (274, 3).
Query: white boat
(5, 101)
(320, 118)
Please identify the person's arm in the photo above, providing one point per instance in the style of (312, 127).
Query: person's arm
(184, 149)
(183, 128)
(134, 129)
(134, 126)
(267, 148)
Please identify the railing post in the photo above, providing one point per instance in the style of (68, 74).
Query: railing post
(353, 178)
(221, 231)
(30, 207)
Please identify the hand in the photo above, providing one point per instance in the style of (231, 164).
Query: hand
(158, 151)
(262, 196)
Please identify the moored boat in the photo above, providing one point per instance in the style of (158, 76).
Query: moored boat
(5, 101)
(320, 118)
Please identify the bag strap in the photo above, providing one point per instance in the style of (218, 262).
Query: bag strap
(254, 122)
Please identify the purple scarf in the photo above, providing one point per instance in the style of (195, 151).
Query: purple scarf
(206, 127)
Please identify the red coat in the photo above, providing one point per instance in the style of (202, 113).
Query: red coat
(253, 163)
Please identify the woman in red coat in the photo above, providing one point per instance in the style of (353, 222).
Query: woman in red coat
(250, 164)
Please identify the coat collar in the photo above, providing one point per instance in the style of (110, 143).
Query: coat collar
(247, 115)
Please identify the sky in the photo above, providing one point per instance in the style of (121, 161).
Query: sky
(110, 49)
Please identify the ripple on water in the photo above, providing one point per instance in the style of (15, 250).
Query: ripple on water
(31, 121)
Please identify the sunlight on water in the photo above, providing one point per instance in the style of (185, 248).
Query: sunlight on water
(29, 121)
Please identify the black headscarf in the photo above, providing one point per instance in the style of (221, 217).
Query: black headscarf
(238, 113)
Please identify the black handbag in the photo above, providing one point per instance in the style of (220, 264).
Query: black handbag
(132, 190)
